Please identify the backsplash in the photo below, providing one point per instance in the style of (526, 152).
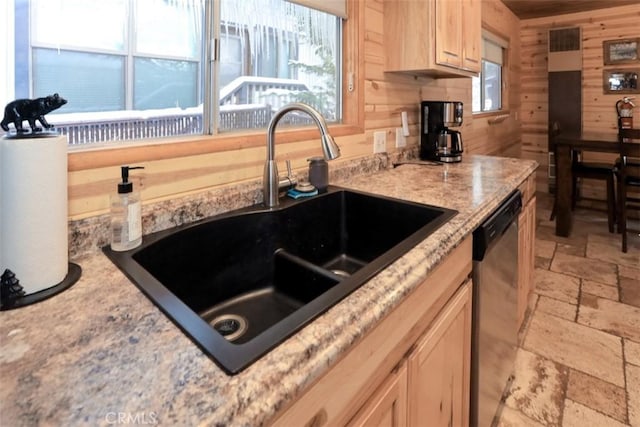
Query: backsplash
(89, 235)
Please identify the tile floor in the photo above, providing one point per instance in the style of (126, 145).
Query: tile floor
(578, 363)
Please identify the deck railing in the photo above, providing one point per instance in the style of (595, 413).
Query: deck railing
(246, 103)
(261, 90)
(130, 129)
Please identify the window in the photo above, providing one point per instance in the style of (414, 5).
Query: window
(134, 69)
(487, 87)
(119, 55)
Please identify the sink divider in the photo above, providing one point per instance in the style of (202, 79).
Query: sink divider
(281, 252)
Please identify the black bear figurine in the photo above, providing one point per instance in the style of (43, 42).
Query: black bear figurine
(30, 110)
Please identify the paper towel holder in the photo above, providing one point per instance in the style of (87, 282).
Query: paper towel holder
(73, 275)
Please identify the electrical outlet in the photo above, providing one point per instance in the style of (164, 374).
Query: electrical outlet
(379, 142)
(401, 140)
(405, 124)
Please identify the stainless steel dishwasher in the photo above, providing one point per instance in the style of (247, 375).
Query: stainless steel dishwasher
(495, 319)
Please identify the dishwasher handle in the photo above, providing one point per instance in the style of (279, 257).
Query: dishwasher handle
(496, 224)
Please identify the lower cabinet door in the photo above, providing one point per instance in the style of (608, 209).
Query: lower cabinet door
(526, 256)
(387, 407)
(439, 368)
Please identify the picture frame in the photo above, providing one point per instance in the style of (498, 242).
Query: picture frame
(624, 51)
(621, 80)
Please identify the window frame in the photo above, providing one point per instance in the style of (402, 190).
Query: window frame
(483, 88)
(110, 154)
(129, 53)
(493, 37)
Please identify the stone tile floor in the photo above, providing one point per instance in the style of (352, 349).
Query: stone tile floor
(578, 363)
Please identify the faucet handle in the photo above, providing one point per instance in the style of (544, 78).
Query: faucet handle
(287, 181)
(289, 172)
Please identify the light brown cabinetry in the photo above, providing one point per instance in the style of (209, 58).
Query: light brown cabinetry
(439, 368)
(433, 37)
(388, 405)
(526, 246)
(433, 382)
(373, 381)
(471, 13)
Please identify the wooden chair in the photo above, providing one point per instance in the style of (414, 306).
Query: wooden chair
(594, 170)
(628, 174)
(589, 170)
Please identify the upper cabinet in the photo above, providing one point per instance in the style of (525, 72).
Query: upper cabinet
(433, 37)
(472, 34)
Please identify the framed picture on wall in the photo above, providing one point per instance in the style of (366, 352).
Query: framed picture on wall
(621, 80)
(621, 51)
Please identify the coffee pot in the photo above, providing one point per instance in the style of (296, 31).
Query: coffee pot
(449, 146)
(437, 140)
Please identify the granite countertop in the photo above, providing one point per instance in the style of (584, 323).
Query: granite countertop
(101, 353)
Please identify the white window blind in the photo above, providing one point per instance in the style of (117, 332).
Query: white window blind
(334, 7)
(492, 46)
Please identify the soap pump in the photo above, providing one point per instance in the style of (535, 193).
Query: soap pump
(126, 214)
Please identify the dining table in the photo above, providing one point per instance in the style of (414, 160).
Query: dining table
(564, 144)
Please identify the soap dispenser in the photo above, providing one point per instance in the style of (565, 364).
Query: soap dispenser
(126, 214)
(319, 173)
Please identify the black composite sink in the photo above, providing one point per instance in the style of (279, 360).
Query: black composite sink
(240, 283)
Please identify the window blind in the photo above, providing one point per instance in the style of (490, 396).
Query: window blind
(492, 46)
(334, 7)
(491, 52)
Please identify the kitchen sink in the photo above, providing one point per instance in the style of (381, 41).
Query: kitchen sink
(240, 283)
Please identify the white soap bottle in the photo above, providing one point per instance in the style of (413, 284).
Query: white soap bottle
(126, 214)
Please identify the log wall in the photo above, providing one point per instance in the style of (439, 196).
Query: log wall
(598, 108)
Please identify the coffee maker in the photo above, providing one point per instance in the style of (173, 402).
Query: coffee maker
(437, 141)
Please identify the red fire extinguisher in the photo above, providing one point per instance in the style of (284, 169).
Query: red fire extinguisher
(625, 112)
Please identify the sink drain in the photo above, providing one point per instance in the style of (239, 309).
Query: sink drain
(230, 326)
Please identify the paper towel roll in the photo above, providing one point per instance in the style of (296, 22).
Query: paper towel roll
(33, 199)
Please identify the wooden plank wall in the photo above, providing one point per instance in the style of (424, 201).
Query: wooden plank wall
(598, 109)
(386, 95)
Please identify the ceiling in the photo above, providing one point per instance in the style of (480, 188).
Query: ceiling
(525, 9)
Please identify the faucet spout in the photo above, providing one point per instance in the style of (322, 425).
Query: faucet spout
(271, 178)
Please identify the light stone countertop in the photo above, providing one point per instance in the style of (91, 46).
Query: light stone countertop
(101, 353)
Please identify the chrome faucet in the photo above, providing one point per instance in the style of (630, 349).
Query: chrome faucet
(272, 182)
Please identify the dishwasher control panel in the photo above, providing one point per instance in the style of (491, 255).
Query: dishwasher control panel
(496, 224)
